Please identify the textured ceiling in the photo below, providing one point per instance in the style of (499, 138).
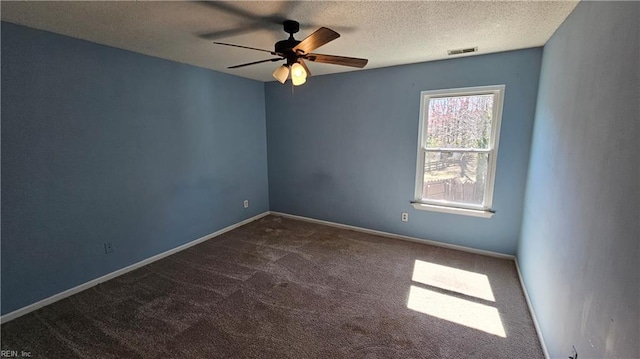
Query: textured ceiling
(387, 33)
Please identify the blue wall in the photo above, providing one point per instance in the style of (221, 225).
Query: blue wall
(580, 236)
(105, 145)
(343, 147)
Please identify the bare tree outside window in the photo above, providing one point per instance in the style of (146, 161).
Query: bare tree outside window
(457, 148)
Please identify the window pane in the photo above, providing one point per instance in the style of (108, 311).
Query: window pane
(459, 122)
(457, 177)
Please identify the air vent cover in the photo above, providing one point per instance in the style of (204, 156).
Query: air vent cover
(462, 51)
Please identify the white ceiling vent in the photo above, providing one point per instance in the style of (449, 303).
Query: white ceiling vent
(462, 51)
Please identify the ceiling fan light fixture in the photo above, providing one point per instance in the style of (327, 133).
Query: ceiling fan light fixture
(298, 81)
(281, 73)
(298, 74)
(295, 52)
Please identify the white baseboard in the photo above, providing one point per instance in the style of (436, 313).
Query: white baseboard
(533, 314)
(69, 292)
(398, 236)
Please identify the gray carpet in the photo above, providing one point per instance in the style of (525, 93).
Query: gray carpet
(282, 288)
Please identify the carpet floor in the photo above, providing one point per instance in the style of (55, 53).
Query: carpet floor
(283, 288)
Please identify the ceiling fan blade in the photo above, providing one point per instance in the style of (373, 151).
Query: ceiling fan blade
(304, 65)
(255, 62)
(247, 47)
(238, 11)
(213, 35)
(337, 60)
(320, 37)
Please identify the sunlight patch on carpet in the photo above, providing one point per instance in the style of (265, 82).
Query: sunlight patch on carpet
(460, 311)
(469, 313)
(453, 279)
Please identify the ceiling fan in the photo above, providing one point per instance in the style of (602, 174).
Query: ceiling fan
(295, 52)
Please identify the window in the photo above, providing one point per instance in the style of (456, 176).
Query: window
(457, 148)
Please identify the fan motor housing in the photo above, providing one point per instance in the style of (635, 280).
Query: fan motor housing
(285, 46)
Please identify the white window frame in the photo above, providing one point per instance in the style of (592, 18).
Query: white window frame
(484, 210)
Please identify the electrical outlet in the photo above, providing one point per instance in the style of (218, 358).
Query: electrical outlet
(405, 217)
(108, 248)
(246, 203)
(574, 353)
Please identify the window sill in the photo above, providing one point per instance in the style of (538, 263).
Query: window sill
(453, 210)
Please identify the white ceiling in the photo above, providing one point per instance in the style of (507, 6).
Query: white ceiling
(388, 33)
